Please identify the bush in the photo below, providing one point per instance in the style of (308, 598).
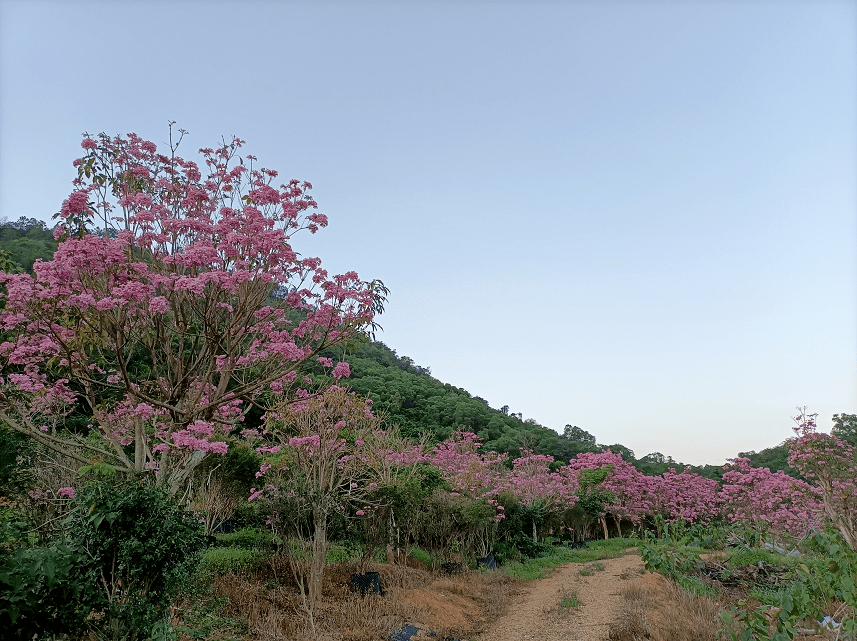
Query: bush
(141, 548)
(39, 590)
(421, 555)
(248, 538)
(12, 448)
(339, 552)
(232, 560)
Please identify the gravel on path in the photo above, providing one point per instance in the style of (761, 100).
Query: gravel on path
(539, 613)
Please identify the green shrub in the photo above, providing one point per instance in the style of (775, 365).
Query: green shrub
(141, 549)
(422, 555)
(670, 560)
(344, 551)
(39, 592)
(247, 538)
(232, 560)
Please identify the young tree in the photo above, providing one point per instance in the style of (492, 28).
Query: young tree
(538, 489)
(830, 464)
(318, 467)
(162, 322)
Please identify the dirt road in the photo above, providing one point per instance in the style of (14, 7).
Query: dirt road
(548, 610)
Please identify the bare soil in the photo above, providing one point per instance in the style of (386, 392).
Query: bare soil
(546, 611)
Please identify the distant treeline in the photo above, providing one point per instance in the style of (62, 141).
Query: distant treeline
(27, 240)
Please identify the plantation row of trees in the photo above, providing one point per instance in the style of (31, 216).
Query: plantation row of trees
(177, 365)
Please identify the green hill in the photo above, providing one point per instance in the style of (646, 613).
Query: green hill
(418, 403)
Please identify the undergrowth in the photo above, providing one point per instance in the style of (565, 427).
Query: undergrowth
(595, 551)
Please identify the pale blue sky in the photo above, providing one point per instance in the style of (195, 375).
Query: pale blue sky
(639, 218)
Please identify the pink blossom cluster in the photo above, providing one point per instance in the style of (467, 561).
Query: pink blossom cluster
(684, 496)
(469, 471)
(774, 501)
(532, 480)
(830, 464)
(185, 275)
(769, 500)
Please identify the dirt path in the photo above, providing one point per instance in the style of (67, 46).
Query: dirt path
(538, 615)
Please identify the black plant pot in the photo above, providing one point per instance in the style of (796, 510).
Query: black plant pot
(369, 583)
(488, 562)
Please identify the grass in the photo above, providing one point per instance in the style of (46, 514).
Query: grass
(665, 611)
(695, 586)
(568, 602)
(768, 596)
(203, 612)
(595, 551)
(230, 560)
(752, 556)
(591, 569)
(248, 538)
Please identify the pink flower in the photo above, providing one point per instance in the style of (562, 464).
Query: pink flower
(159, 305)
(360, 512)
(66, 491)
(342, 370)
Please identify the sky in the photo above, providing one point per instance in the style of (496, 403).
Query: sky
(639, 218)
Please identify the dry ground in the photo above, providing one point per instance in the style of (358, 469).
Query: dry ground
(608, 600)
(549, 609)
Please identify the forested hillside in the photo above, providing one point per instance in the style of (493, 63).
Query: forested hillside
(418, 403)
(26, 240)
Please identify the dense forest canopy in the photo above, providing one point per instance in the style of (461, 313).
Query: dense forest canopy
(27, 240)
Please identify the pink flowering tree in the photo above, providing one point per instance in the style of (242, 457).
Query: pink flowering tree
(478, 477)
(389, 518)
(688, 497)
(829, 463)
(470, 472)
(174, 303)
(768, 501)
(538, 489)
(317, 467)
(599, 482)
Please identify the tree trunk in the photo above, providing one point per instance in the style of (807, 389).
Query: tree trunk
(604, 525)
(319, 551)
